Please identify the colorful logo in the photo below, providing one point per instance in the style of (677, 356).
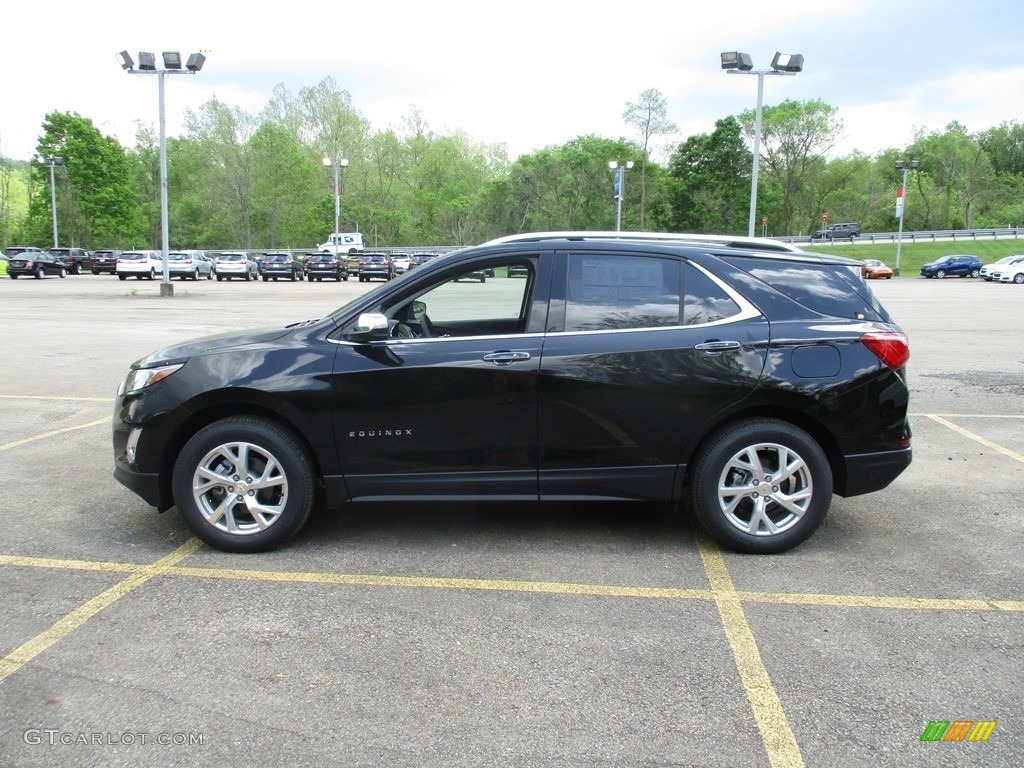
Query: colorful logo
(958, 730)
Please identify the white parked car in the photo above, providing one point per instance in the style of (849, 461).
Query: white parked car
(402, 262)
(140, 264)
(986, 271)
(1009, 273)
(231, 264)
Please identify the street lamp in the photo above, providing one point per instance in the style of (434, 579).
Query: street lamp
(901, 195)
(52, 162)
(619, 188)
(342, 163)
(737, 63)
(172, 66)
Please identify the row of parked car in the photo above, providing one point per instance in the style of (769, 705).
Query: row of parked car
(35, 262)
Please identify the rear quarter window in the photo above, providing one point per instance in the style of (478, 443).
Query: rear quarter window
(827, 289)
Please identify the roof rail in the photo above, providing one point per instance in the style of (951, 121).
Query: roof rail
(726, 241)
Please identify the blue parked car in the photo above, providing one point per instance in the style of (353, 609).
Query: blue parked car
(958, 264)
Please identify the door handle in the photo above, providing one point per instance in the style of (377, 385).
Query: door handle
(506, 357)
(717, 346)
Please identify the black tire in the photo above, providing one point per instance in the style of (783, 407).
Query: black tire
(76, 269)
(940, 274)
(122, 277)
(13, 277)
(1018, 279)
(40, 273)
(975, 272)
(63, 273)
(738, 520)
(277, 476)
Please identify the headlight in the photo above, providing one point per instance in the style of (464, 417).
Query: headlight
(140, 378)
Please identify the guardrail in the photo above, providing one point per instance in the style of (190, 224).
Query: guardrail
(934, 236)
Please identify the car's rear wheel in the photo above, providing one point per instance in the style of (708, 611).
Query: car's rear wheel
(761, 486)
(975, 272)
(62, 273)
(1019, 278)
(244, 484)
(77, 269)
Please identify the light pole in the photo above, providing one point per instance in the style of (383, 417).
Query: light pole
(737, 63)
(619, 188)
(172, 66)
(901, 196)
(52, 162)
(342, 163)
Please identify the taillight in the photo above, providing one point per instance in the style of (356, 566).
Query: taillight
(891, 348)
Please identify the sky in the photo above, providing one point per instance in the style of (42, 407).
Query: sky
(525, 74)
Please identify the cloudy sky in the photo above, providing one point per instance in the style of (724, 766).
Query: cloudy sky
(526, 74)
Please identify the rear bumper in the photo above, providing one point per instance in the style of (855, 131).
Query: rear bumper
(869, 472)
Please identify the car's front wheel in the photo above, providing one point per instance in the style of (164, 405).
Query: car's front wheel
(40, 273)
(244, 484)
(940, 274)
(761, 486)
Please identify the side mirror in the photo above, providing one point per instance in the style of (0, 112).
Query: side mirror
(370, 326)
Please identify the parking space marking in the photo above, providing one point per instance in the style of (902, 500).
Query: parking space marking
(22, 655)
(779, 741)
(53, 433)
(882, 602)
(977, 438)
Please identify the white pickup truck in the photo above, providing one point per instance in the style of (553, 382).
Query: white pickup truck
(342, 243)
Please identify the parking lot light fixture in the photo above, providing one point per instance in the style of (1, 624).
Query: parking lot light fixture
(172, 66)
(619, 188)
(52, 162)
(737, 63)
(901, 199)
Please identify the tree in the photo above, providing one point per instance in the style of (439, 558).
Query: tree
(708, 184)
(649, 117)
(794, 137)
(96, 204)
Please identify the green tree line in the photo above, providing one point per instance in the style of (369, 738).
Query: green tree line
(242, 180)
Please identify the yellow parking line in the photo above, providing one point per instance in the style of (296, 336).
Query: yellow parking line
(977, 438)
(70, 565)
(779, 741)
(366, 580)
(16, 443)
(22, 655)
(537, 587)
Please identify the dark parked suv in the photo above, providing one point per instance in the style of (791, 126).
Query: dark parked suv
(275, 265)
(956, 265)
(104, 261)
(79, 260)
(847, 231)
(745, 377)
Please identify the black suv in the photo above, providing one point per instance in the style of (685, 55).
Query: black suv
(321, 265)
(275, 265)
(104, 261)
(848, 231)
(79, 260)
(744, 377)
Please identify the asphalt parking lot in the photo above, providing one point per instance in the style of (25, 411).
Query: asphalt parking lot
(495, 634)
